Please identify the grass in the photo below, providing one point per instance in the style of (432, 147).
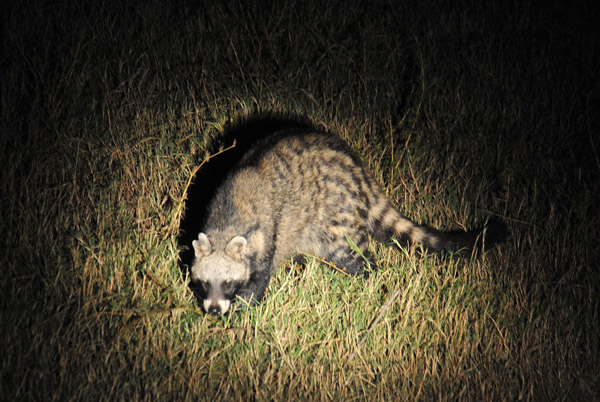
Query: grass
(461, 112)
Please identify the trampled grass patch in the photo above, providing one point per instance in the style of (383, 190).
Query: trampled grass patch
(463, 113)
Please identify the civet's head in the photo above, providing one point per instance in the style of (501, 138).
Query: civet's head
(220, 272)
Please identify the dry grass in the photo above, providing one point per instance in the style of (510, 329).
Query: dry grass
(462, 113)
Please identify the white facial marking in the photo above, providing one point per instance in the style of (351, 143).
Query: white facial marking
(224, 304)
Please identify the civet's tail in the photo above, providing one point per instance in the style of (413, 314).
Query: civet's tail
(388, 222)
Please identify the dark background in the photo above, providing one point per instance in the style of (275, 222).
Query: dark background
(497, 101)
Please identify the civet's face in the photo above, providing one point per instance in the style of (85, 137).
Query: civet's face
(219, 273)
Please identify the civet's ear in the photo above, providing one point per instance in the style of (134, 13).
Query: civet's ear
(236, 247)
(202, 246)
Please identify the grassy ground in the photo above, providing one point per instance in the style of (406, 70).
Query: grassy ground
(461, 112)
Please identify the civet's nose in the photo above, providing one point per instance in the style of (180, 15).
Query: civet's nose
(214, 309)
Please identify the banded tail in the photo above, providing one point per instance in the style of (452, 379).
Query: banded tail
(389, 222)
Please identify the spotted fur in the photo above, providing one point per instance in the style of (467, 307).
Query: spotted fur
(301, 191)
